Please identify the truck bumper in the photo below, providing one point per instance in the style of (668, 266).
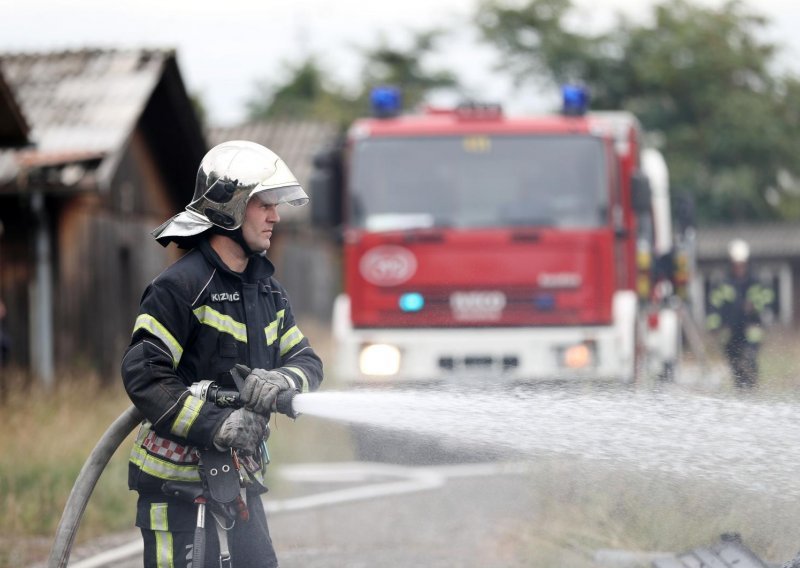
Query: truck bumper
(501, 354)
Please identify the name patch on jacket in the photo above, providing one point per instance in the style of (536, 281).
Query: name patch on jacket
(225, 297)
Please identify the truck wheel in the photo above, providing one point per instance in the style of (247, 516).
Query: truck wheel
(639, 370)
(667, 374)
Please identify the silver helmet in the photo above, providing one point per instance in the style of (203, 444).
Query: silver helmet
(229, 175)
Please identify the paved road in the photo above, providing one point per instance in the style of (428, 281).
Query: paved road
(379, 515)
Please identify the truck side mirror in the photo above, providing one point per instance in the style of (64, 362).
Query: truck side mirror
(326, 188)
(641, 194)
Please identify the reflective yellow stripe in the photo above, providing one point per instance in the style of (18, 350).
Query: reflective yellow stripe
(760, 296)
(271, 331)
(162, 469)
(713, 321)
(754, 334)
(292, 337)
(186, 417)
(226, 324)
(729, 293)
(164, 550)
(144, 429)
(154, 327)
(303, 378)
(158, 517)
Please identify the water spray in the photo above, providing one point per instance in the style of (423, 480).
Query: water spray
(751, 444)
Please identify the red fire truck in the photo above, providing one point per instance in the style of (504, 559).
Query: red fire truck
(509, 248)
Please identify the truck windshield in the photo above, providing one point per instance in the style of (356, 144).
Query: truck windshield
(479, 181)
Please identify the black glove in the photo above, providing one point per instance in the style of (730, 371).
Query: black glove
(243, 430)
(261, 388)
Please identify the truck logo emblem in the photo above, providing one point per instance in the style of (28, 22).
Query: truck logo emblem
(388, 265)
(477, 305)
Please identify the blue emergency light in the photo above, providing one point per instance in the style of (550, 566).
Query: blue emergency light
(411, 302)
(544, 302)
(575, 100)
(386, 101)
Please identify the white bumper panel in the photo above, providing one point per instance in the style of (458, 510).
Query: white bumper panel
(504, 354)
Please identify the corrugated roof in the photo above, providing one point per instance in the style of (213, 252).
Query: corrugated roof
(83, 102)
(771, 240)
(295, 142)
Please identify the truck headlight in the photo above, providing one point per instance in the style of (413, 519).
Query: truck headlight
(379, 359)
(578, 356)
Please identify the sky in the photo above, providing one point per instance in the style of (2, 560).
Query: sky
(224, 48)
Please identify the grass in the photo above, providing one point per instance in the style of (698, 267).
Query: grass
(583, 510)
(46, 436)
(779, 362)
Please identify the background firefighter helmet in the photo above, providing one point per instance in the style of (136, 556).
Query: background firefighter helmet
(229, 175)
(738, 251)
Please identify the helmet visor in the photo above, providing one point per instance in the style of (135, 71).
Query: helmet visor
(291, 194)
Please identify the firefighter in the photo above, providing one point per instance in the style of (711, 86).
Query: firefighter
(738, 308)
(217, 306)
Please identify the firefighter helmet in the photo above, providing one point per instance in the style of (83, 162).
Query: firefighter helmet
(738, 250)
(229, 175)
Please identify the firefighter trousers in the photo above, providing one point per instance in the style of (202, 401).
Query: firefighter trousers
(249, 542)
(743, 361)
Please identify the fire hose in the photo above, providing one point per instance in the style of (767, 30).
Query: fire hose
(103, 451)
(85, 483)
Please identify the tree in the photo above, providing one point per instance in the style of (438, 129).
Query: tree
(309, 93)
(701, 77)
(306, 94)
(404, 68)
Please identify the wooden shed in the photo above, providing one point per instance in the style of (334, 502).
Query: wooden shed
(115, 145)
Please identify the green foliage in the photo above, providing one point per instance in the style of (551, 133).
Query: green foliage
(403, 68)
(308, 92)
(701, 77)
(304, 95)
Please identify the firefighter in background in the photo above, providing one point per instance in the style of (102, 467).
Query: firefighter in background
(216, 307)
(738, 308)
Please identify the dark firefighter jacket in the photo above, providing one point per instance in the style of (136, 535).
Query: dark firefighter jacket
(196, 320)
(738, 307)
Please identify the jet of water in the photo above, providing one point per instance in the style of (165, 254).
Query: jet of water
(753, 443)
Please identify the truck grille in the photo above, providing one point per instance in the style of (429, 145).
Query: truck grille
(479, 362)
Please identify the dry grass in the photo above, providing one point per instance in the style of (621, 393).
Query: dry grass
(780, 362)
(585, 509)
(46, 436)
